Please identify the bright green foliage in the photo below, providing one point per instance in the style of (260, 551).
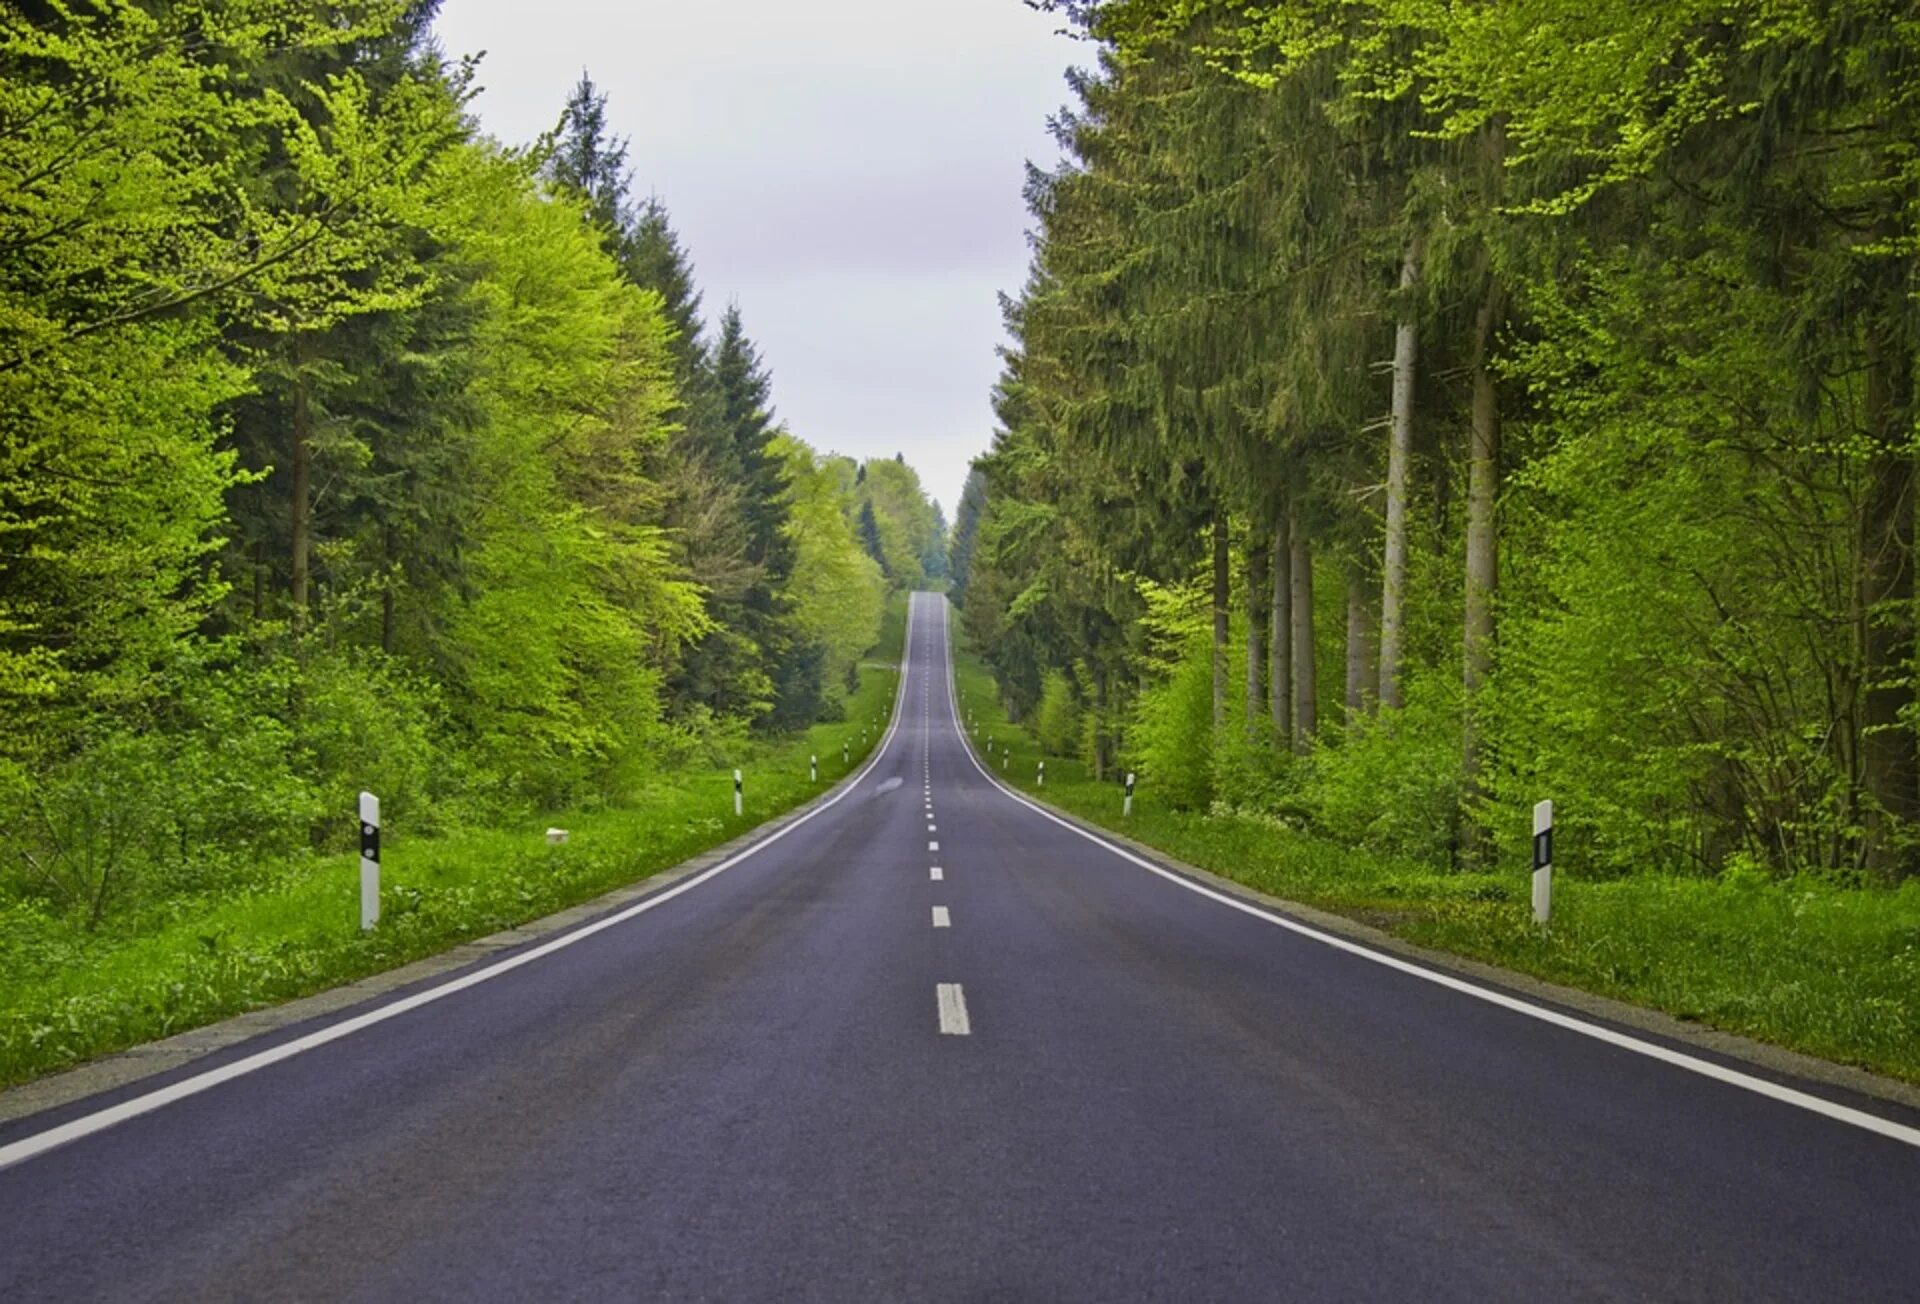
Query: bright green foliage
(903, 528)
(128, 215)
(1056, 721)
(1174, 733)
(837, 590)
(1392, 781)
(343, 448)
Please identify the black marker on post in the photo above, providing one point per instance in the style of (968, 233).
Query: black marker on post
(369, 861)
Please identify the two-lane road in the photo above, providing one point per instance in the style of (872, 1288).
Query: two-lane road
(930, 1043)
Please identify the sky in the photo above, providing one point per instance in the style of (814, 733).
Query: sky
(848, 171)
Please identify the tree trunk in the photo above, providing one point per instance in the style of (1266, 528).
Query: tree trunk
(1222, 596)
(1891, 769)
(1305, 712)
(1361, 674)
(1256, 635)
(1399, 453)
(302, 495)
(1483, 479)
(1280, 641)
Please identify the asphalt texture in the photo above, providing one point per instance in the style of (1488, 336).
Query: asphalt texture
(747, 1093)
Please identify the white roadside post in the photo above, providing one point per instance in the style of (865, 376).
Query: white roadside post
(1041, 781)
(1542, 862)
(813, 768)
(1126, 807)
(843, 754)
(736, 792)
(369, 861)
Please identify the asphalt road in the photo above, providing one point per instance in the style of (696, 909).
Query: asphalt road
(1017, 1066)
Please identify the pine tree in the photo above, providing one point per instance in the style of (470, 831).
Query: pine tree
(870, 532)
(653, 257)
(590, 161)
(744, 390)
(966, 532)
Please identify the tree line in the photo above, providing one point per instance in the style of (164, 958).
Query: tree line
(1420, 409)
(343, 446)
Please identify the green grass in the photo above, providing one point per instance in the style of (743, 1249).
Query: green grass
(1831, 971)
(67, 995)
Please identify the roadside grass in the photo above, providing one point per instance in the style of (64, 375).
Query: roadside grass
(67, 995)
(1832, 971)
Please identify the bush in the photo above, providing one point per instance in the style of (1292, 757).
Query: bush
(82, 834)
(233, 795)
(1173, 734)
(365, 723)
(1392, 782)
(1056, 721)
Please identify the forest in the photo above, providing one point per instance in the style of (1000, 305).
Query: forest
(344, 447)
(1419, 410)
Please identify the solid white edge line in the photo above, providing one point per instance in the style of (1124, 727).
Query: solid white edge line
(952, 1001)
(1652, 1050)
(87, 1124)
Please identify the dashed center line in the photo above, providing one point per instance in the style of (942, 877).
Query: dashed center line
(936, 873)
(953, 1010)
(933, 846)
(941, 919)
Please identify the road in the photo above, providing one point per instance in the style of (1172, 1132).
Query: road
(931, 1044)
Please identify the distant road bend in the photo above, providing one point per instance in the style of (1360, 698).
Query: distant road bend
(932, 1043)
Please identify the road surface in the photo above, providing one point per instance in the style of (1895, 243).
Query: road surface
(931, 1044)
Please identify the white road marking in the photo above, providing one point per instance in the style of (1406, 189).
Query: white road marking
(932, 829)
(941, 919)
(936, 873)
(953, 1010)
(100, 1120)
(933, 846)
(1859, 1118)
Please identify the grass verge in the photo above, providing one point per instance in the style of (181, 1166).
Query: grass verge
(67, 995)
(1830, 971)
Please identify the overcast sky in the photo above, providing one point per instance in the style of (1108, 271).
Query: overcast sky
(848, 170)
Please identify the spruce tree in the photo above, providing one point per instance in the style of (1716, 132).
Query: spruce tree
(592, 163)
(870, 531)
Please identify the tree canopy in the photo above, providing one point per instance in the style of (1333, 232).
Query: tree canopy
(344, 447)
(1547, 368)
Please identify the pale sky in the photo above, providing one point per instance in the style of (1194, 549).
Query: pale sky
(849, 171)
